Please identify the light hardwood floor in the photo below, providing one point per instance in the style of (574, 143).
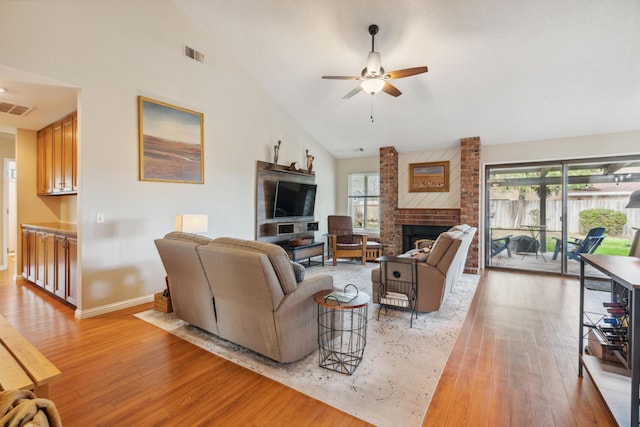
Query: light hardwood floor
(515, 363)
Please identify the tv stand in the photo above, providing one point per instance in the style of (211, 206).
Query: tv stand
(297, 253)
(283, 229)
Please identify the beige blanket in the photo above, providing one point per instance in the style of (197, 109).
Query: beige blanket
(22, 408)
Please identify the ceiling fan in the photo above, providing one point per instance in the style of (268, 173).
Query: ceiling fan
(373, 78)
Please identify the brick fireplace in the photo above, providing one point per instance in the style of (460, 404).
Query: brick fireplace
(393, 218)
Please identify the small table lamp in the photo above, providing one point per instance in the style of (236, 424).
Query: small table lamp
(190, 223)
(634, 202)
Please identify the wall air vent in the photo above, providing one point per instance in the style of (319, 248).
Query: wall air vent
(15, 109)
(190, 52)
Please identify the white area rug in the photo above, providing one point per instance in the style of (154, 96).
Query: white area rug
(401, 367)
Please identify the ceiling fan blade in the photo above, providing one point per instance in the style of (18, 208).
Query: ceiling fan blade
(353, 92)
(391, 89)
(398, 74)
(341, 77)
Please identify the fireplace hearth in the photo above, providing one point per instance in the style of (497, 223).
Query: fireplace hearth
(411, 233)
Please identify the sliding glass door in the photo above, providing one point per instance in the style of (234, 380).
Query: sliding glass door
(524, 216)
(543, 216)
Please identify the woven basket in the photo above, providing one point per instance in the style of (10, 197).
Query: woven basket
(300, 242)
(162, 303)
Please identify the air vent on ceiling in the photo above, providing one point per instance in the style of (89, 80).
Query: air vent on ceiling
(190, 52)
(15, 109)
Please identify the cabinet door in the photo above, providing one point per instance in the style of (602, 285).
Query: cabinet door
(58, 178)
(49, 261)
(41, 186)
(41, 258)
(74, 148)
(67, 165)
(45, 176)
(72, 274)
(25, 253)
(61, 266)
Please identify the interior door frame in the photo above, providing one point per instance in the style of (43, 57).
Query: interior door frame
(7, 206)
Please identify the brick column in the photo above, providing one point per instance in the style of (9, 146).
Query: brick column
(388, 199)
(470, 195)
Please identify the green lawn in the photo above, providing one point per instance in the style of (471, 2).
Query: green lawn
(609, 246)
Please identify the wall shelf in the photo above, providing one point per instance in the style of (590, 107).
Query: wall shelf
(286, 169)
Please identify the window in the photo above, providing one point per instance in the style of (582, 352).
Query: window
(364, 199)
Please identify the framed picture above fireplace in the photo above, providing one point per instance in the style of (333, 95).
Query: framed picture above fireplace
(429, 177)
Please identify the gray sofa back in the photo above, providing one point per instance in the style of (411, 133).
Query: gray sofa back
(191, 294)
(245, 292)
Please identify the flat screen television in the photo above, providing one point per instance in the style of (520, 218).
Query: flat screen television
(294, 199)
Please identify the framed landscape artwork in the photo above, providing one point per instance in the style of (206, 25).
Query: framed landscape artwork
(171, 142)
(429, 177)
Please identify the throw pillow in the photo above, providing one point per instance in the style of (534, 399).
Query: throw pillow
(298, 270)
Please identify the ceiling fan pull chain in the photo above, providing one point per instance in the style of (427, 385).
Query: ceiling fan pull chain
(371, 108)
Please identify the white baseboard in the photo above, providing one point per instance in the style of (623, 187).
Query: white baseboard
(92, 312)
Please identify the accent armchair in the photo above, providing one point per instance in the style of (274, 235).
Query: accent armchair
(344, 243)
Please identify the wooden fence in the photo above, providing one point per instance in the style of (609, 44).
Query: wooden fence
(512, 214)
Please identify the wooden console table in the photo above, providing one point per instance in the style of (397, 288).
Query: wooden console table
(617, 384)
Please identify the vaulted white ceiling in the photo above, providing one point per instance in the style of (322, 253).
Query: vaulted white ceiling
(504, 70)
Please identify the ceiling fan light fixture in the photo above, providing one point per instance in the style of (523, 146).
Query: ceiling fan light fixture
(373, 64)
(372, 86)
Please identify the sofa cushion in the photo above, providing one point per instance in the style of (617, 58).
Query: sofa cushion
(278, 257)
(298, 270)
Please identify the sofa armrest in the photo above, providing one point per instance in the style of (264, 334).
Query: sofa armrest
(306, 289)
(431, 287)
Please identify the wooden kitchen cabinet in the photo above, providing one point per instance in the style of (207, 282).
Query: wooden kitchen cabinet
(58, 157)
(44, 262)
(66, 262)
(29, 254)
(50, 258)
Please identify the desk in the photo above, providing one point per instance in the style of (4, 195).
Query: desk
(618, 385)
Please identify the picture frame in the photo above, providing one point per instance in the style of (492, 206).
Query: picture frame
(171, 142)
(429, 177)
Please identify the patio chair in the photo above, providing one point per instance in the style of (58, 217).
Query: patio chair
(500, 244)
(576, 246)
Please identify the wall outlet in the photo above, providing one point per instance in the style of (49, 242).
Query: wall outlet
(100, 218)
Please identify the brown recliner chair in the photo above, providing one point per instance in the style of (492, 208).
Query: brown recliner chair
(345, 244)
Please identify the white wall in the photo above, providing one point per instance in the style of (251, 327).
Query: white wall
(442, 200)
(579, 147)
(344, 167)
(114, 51)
